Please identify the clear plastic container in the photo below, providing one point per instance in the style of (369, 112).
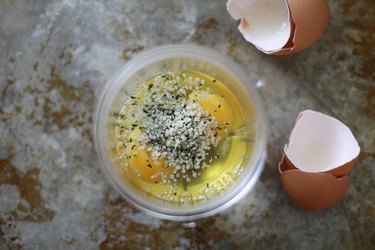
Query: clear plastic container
(180, 58)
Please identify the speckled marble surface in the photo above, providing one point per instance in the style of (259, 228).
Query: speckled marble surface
(55, 55)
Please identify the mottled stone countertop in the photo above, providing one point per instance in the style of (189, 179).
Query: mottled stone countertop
(56, 54)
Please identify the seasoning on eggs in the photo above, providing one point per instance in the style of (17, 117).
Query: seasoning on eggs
(320, 153)
(280, 27)
(173, 122)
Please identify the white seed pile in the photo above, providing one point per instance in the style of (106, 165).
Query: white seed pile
(175, 127)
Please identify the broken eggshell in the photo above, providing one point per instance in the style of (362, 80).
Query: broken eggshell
(280, 27)
(320, 143)
(312, 191)
(320, 152)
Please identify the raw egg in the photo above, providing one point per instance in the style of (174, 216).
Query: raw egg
(142, 164)
(280, 27)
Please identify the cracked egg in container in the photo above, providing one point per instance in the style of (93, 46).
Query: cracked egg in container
(316, 161)
(181, 132)
(280, 27)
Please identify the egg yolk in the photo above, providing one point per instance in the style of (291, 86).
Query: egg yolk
(217, 107)
(142, 165)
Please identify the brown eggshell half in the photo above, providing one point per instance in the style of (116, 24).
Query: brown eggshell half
(310, 19)
(313, 191)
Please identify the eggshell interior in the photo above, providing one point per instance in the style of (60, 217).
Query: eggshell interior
(312, 190)
(320, 143)
(264, 23)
